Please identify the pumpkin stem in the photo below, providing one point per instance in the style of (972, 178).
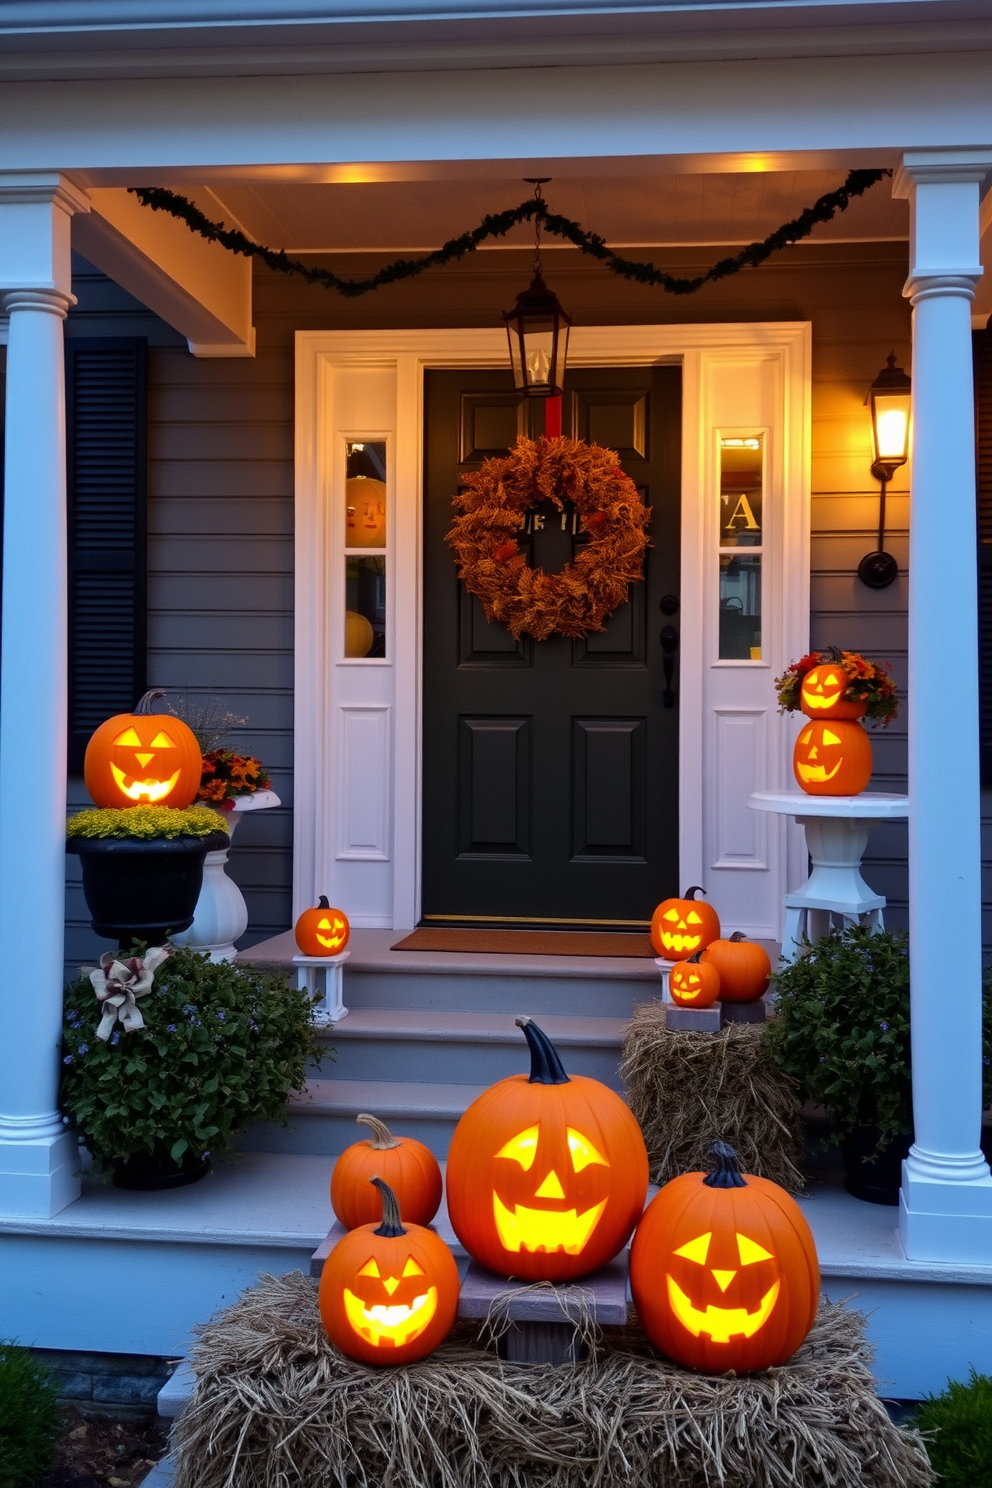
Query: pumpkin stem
(546, 1067)
(694, 957)
(738, 935)
(727, 1173)
(693, 890)
(834, 654)
(382, 1137)
(391, 1226)
(144, 704)
(323, 902)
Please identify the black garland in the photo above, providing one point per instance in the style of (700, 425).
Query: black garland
(497, 225)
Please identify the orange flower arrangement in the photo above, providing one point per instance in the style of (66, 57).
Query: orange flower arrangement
(227, 775)
(869, 683)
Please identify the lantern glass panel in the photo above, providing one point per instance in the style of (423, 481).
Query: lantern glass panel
(890, 426)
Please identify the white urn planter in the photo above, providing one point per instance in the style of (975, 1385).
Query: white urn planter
(221, 915)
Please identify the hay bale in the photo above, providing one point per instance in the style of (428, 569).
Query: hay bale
(277, 1406)
(689, 1090)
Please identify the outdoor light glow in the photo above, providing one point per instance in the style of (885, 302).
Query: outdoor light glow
(892, 423)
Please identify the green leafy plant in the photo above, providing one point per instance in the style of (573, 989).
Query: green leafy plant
(222, 1046)
(30, 1419)
(958, 1427)
(842, 1030)
(144, 822)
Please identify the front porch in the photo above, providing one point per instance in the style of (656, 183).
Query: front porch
(225, 452)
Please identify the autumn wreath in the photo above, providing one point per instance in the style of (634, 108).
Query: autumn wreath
(493, 507)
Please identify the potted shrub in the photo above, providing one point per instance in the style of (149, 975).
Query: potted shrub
(157, 1081)
(842, 1031)
(143, 866)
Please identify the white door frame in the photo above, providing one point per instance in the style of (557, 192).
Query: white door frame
(357, 766)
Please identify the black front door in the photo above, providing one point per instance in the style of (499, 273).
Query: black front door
(550, 790)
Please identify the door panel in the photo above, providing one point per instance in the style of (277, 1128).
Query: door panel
(550, 787)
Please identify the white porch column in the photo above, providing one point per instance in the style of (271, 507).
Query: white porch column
(38, 1160)
(946, 1202)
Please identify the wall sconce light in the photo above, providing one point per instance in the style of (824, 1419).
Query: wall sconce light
(889, 397)
(537, 330)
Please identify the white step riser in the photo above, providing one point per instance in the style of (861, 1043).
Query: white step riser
(466, 1063)
(590, 997)
(328, 1134)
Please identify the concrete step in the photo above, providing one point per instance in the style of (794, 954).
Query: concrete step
(322, 1119)
(464, 1048)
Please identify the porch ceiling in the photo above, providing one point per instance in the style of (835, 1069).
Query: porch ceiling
(627, 210)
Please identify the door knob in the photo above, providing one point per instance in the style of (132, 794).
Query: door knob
(670, 604)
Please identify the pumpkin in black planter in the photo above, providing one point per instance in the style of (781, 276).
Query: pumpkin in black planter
(143, 866)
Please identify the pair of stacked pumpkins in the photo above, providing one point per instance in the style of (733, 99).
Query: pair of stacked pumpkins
(547, 1179)
(832, 755)
(686, 931)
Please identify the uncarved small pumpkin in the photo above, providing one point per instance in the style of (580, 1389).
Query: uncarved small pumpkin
(410, 1169)
(388, 1292)
(743, 965)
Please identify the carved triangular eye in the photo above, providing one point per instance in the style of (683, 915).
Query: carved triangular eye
(696, 1250)
(829, 737)
(128, 738)
(371, 1268)
(162, 741)
(831, 680)
(583, 1152)
(670, 914)
(412, 1268)
(693, 918)
(522, 1148)
(750, 1251)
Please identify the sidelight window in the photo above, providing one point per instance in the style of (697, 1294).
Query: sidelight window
(741, 546)
(366, 532)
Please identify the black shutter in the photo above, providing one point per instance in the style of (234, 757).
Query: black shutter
(105, 445)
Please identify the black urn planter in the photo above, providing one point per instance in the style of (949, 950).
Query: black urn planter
(142, 890)
(875, 1179)
(148, 1172)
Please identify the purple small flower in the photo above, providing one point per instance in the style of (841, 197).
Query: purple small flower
(68, 1059)
(884, 1026)
(189, 1010)
(115, 1037)
(170, 1028)
(221, 1015)
(84, 1048)
(823, 1058)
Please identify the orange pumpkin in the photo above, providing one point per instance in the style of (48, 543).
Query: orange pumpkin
(547, 1174)
(832, 759)
(743, 966)
(821, 694)
(322, 931)
(389, 1292)
(681, 926)
(143, 759)
(365, 501)
(410, 1169)
(723, 1270)
(694, 983)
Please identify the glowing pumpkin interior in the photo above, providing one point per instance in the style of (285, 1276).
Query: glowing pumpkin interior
(145, 770)
(332, 931)
(549, 1214)
(681, 930)
(823, 688)
(390, 1311)
(716, 1291)
(819, 756)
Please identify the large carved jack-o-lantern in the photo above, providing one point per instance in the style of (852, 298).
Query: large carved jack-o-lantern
(723, 1270)
(680, 927)
(388, 1293)
(322, 931)
(821, 694)
(143, 759)
(832, 759)
(547, 1174)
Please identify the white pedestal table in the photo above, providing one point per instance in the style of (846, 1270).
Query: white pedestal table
(836, 836)
(221, 915)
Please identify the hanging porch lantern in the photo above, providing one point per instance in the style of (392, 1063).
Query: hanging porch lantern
(890, 400)
(537, 329)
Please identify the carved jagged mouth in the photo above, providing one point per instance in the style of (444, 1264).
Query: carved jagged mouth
(721, 1323)
(821, 702)
(545, 1229)
(144, 790)
(689, 994)
(673, 941)
(817, 774)
(393, 1325)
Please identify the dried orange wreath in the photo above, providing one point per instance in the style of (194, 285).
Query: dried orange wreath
(493, 509)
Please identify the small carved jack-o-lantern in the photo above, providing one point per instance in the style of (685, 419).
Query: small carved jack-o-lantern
(694, 983)
(322, 931)
(143, 759)
(832, 759)
(679, 927)
(366, 513)
(547, 1174)
(723, 1270)
(822, 692)
(388, 1293)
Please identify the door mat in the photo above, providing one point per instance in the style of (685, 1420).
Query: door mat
(276, 1404)
(529, 942)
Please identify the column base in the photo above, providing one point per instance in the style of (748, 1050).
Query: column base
(39, 1177)
(946, 1221)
